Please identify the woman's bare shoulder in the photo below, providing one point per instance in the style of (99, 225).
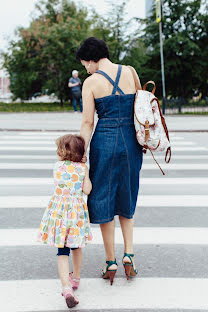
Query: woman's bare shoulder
(129, 68)
(90, 80)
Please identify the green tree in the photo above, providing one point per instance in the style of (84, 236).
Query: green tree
(44, 55)
(24, 66)
(62, 31)
(182, 31)
(115, 30)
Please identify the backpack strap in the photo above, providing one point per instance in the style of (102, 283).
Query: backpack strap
(150, 82)
(168, 151)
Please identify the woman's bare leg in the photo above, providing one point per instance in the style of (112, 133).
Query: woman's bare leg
(108, 233)
(127, 230)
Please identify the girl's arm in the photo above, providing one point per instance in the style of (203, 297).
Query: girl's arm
(88, 112)
(87, 185)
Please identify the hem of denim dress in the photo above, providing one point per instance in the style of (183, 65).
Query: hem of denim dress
(111, 219)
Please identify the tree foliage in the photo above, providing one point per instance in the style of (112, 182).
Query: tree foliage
(44, 55)
(184, 40)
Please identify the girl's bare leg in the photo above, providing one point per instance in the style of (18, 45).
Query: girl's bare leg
(63, 269)
(77, 262)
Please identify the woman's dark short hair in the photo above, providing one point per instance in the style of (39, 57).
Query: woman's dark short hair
(92, 49)
(70, 147)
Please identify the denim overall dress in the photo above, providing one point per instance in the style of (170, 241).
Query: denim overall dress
(115, 157)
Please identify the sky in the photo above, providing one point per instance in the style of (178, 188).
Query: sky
(14, 13)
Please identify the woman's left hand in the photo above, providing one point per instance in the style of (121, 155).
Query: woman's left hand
(84, 159)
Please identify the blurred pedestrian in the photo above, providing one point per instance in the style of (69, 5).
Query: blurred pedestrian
(75, 85)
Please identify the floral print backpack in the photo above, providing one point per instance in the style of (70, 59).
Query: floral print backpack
(151, 129)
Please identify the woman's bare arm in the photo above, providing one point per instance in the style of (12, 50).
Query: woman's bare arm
(88, 112)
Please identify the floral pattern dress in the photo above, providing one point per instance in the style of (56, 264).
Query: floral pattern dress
(66, 220)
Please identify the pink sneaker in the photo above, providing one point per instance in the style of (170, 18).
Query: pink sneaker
(74, 281)
(71, 300)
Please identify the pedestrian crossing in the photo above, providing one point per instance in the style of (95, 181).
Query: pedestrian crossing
(171, 241)
(170, 293)
(33, 202)
(142, 236)
(49, 166)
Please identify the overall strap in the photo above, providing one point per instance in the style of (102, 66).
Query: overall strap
(111, 80)
(116, 87)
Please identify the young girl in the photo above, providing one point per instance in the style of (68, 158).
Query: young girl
(65, 223)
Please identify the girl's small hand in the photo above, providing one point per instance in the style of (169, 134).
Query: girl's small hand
(84, 159)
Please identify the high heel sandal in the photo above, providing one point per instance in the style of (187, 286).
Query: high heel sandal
(110, 273)
(129, 267)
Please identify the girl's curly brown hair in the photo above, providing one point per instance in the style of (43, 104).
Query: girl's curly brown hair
(70, 147)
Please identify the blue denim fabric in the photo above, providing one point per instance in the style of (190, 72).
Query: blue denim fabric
(115, 157)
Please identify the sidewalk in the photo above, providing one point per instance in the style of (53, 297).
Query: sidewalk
(70, 121)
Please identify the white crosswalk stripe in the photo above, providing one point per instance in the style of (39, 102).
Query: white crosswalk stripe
(143, 201)
(52, 141)
(53, 148)
(142, 236)
(21, 154)
(143, 181)
(49, 166)
(147, 157)
(142, 293)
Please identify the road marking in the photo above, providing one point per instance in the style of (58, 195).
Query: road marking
(29, 142)
(146, 157)
(146, 181)
(42, 133)
(39, 138)
(53, 141)
(145, 166)
(143, 201)
(186, 157)
(26, 181)
(142, 236)
(139, 293)
(41, 148)
(178, 181)
(176, 166)
(54, 133)
(23, 157)
(27, 148)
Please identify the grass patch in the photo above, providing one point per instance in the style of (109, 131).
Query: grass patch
(35, 107)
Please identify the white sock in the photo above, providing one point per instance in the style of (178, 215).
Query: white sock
(66, 288)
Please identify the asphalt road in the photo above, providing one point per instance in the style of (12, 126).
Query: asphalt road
(171, 234)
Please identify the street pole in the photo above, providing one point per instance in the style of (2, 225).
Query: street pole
(162, 68)
(159, 20)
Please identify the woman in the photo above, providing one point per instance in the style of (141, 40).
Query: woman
(115, 155)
